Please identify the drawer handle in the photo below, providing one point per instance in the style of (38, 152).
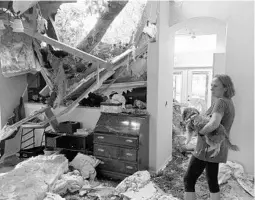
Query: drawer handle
(129, 154)
(129, 167)
(130, 141)
(102, 150)
(100, 137)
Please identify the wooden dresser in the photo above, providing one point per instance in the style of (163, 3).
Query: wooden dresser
(122, 142)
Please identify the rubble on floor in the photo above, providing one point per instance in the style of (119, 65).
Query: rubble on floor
(32, 178)
(234, 183)
(48, 178)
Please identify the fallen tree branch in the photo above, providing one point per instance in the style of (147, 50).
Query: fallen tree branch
(99, 30)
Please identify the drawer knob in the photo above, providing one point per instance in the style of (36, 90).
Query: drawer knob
(129, 167)
(100, 137)
(102, 150)
(130, 141)
(129, 154)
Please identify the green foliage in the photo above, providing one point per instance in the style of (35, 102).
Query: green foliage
(75, 20)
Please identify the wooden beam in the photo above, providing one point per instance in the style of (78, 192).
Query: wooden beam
(125, 84)
(54, 123)
(81, 83)
(34, 19)
(65, 47)
(45, 91)
(7, 131)
(121, 56)
(46, 78)
(53, 26)
(92, 88)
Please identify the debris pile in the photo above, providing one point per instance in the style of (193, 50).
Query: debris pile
(32, 177)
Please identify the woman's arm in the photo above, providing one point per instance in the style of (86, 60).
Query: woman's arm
(212, 124)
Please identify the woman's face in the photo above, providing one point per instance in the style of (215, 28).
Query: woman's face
(217, 88)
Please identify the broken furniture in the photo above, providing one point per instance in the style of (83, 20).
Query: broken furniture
(69, 127)
(29, 140)
(111, 107)
(31, 129)
(121, 142)
(60, 141)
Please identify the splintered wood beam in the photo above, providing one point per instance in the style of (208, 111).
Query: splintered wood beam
(7, 130)
(49, 85)
(65, 47)
(106, 86)
(54, 123)
(121, 56)
(45, 91)
(122, 59)
(75, 103)
(81, 83)
(46, 78)
(34, 19)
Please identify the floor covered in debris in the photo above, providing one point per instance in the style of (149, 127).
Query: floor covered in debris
(168, 181)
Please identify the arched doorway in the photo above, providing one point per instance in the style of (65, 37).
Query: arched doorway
(199, 54)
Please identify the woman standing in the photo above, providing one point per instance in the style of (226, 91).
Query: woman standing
(222, 112)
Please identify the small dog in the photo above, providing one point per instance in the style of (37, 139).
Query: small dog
(194, 122)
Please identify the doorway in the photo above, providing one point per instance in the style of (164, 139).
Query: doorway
(191, 87)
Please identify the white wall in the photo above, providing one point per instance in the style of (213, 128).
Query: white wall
(159, 95)
(11, 89)
(240, 66)
(196, 59)
(87, 116)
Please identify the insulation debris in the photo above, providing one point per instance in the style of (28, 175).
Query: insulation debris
(16, 54)
(31, 178)
(71, 182)
(134, 182)
(86, 165)
(51, 196)
(232, 169)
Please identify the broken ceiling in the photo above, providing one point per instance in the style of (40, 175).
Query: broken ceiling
(70, 73)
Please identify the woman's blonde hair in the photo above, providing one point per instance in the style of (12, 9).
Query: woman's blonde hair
(227, 83)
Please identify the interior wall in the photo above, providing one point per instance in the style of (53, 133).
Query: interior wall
(159, 95)
(11, 89)
(193, 59)
(240, 67)
(87, 116)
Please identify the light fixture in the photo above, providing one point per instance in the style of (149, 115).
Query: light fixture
(2, 27)
(17, 26)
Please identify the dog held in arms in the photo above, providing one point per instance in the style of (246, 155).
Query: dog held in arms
(194, 122)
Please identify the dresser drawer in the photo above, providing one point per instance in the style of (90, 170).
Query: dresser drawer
(115, 139)
(115, 152)
(105, 151)
(117, 166)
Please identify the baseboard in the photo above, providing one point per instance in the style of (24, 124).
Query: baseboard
(163, 166)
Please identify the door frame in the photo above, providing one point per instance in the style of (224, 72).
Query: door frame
(187, 78)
